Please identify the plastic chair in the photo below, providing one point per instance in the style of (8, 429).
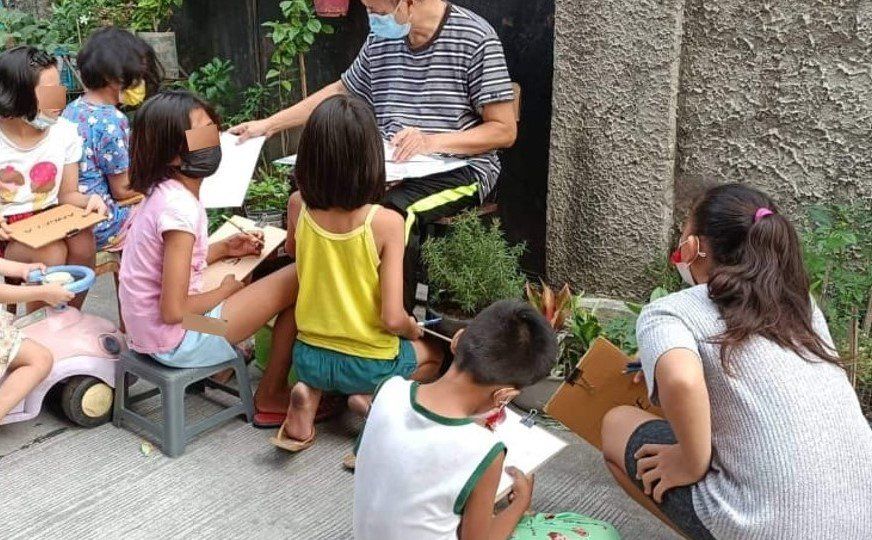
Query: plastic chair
(173, 434)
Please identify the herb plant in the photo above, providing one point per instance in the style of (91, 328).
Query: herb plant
(292, 37)
(212, 82)
(270, 190)
(473, 265)
(150, 15)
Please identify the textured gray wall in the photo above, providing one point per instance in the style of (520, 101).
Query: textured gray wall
(777, 94)
(612, 139)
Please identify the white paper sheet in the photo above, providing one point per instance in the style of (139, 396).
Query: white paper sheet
(416, 167)
(227, 187)
(528, 448)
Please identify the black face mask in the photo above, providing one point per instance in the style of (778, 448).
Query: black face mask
(200, 163)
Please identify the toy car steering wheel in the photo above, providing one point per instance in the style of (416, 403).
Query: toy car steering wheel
(83, 277)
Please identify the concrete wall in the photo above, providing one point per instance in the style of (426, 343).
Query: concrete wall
(653, 99)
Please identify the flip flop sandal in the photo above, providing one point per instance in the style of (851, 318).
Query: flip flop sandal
(267, 420)
(281, 440)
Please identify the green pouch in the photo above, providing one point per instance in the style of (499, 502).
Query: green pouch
(262, 343)
(565, 526)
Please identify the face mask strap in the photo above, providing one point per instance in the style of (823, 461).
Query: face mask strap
(699, 254)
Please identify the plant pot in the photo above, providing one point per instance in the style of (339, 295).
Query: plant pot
(331, 8)
(537, 395)
(605, 309)
(450, 324)
(266, 216)
(164, 45)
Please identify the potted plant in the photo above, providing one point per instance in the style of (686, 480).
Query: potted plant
(267, 198)
(468, 269)
(148, 18)
(588, 318)
(331, 8)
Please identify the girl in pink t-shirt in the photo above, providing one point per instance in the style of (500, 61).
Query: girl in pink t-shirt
(167, 246)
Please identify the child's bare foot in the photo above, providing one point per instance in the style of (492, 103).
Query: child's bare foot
(299, 423)
(360, 404)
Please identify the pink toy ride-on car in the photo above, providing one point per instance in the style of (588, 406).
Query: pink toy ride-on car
(85, 350)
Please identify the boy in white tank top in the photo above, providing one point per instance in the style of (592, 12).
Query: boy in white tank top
(427, 467)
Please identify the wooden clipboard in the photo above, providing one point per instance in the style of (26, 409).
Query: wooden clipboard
(273, 237)
(595, 386)
(53, 224)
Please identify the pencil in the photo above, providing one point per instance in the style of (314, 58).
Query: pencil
(243, 231)
(436, 334)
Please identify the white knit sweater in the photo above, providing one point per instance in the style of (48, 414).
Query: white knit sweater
(791, 450)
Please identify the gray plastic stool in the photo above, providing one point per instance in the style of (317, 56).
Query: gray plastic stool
(172, 435)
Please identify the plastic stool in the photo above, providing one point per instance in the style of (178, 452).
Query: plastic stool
(172, 435)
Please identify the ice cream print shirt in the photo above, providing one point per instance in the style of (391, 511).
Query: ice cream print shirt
(31, 177)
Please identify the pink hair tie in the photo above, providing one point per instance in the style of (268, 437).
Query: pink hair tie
(762, 213)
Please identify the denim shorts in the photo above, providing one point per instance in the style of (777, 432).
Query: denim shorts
(341, 373)
(199, 350)
(677, 502)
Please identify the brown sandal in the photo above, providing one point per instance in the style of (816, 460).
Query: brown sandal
(281, 440)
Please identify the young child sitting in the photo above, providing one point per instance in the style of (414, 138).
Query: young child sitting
(112, 69)
(426, 466)
(166, 249)
(23, 363)
(353, 331)
(39, 158)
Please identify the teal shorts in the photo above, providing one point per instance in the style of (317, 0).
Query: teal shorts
(341, 373)
(199, 350)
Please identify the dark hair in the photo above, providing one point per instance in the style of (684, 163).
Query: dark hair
(340, 161)
(758, 280)
(510, 343)
(152, 70)
(159, 136)
(20, 69)
(111, 55)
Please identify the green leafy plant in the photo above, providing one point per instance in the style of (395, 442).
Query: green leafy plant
(473, 265)
(150, 15)
(212, 82)
(270, 190)
(254, 105)
(75, 20)
(837, 245)
(19, 28)
(292, 37)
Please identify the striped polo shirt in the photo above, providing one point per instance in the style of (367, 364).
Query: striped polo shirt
(439, 87)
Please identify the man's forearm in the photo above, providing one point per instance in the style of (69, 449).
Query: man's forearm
(478, 140)
(298, 114)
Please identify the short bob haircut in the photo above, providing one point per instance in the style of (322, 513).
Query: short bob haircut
(20, 69)
(340, 161)
(158, 136)
(111, 55)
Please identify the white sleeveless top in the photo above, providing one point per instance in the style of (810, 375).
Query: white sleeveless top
(416, 469)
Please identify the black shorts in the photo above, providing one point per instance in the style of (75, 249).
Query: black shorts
(677, 502)
(425, 200)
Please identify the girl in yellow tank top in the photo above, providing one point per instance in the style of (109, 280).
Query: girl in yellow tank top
(352, 329)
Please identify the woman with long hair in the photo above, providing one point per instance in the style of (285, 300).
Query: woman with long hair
(763, 435)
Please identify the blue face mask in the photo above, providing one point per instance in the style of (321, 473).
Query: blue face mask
(386, 26)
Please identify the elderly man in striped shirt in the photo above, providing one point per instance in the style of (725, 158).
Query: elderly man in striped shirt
(436, 78)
